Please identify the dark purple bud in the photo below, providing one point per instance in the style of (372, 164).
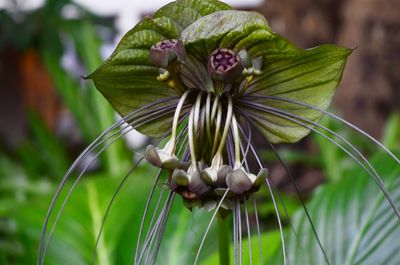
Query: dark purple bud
(197, 184)
(161, 158)
(164, 52)
(180, 178)
(223, 171)
(238, 181)
(225, 64)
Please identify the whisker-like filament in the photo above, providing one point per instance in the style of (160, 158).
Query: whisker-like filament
(260, 164)
(151, 252)
(153, 233)
(125, 178)
(42, 248)
(239, 217)
(181, 134)
(248, 233)
(248, 138)
(273, 182)
(209, 226)
(123, 132)
(260, 246)
(352, 126)
(160, 235)
(367, 166)
(235, 233)
(153, 189)
(288, 173)
(230, 149)
(275, 206)
(279, 221)
(150, 228)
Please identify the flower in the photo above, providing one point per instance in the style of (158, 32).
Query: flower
(203, 76)
(222, 70)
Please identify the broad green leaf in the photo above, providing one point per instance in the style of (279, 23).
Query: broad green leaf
(128, 78)
(185, 12)
(309, 76)
(228, 29)
(353, 220)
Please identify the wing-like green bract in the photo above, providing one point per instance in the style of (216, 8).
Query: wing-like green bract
(308, 76)
(128, 78)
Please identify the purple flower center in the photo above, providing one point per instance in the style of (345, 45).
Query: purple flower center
(223, 60)
(166, 44)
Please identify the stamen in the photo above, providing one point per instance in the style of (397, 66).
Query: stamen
(191, 138)
(214, 109)
(208, 116)
(227, 125)
(236, 140)
(177, 114)
(197, 112)
(217, 128)
(166, 158)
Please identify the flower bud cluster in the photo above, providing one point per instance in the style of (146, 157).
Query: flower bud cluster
(201, 184)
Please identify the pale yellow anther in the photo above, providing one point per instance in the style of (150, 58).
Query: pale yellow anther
(164, 76)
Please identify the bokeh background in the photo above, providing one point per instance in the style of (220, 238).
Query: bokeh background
(49, 114)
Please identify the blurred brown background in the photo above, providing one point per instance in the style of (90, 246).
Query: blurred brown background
(370, 90)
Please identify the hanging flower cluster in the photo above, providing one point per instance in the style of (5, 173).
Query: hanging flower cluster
(210, 167)
(203, 76)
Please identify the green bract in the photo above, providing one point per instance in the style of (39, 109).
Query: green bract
(128, 79)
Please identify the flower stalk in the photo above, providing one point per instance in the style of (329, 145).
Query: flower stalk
(223, 241)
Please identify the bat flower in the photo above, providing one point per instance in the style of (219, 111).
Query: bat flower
(202, 77)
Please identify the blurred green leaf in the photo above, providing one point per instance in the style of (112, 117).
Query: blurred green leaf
(79, 225)
(333, 159)
(291, 157)
(88, 45)
(391, 134)
(353, 220)
(43, 155)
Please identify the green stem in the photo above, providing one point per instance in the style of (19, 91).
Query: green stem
(223, 241)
